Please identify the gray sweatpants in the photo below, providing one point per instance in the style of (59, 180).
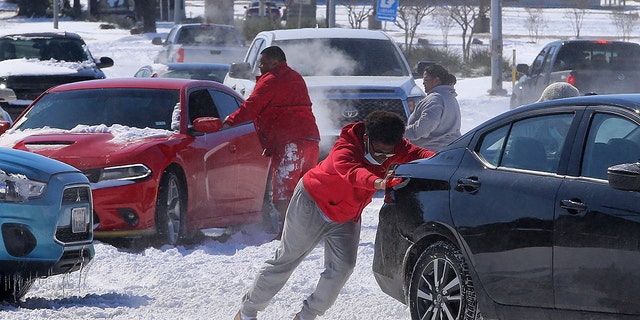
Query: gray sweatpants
(304, 227)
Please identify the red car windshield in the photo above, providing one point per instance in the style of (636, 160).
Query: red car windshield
(132, 107)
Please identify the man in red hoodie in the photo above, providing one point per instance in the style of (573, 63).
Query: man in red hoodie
(280, 108)
(327, 204)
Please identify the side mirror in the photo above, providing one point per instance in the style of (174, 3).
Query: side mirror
(241, 70)
(625, 176)
(157, 41)
(207, 124)
(522, 68)
(105, 62)
(7, 95)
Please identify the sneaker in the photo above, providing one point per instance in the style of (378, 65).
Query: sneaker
(240, 316)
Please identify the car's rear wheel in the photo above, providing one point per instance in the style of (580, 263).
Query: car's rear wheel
(170, 210)
(13, 288)
(441, 287)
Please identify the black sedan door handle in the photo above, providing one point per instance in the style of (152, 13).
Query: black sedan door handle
(574, 206)
(469, 185)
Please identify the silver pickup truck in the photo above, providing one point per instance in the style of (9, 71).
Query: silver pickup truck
(200, 42)
(592, 66)
(349, 74)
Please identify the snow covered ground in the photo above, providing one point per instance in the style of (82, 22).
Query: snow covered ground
(207, 280)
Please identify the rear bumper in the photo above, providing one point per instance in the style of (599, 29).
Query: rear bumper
(388, 259)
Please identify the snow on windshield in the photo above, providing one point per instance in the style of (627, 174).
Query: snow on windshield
(35, 66)
(121, 134)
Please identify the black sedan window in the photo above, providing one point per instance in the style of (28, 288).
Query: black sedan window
(531, 144)
(612, 140)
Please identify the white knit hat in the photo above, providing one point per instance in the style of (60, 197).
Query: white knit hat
(559, 90)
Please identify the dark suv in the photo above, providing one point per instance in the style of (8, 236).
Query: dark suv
(37, 61)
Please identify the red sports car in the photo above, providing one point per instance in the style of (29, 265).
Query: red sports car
(154, 151)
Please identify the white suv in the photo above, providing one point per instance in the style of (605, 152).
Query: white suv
(349, 73)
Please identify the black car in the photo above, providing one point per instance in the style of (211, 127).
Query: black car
(31, 63)
(271, 10)
(534, 214)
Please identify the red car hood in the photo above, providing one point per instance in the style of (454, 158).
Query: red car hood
(83, 150)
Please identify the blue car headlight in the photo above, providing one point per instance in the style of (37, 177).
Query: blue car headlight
(19, 188)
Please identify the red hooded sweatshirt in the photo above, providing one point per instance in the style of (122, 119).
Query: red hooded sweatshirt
(342, 184)
(280, 108)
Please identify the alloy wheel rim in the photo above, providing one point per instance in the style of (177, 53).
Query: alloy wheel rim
(173, 211)
(439, 291)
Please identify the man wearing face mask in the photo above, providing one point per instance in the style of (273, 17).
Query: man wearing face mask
(327, 204)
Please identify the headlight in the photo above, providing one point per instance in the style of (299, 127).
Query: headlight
(19, 188)
(128, 172)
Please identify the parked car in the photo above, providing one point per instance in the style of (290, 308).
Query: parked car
(532, 215)
(45, 218)
(154, 151)
(592, 66)
(200, 42)
(31, 63)
(349, 74)
(199, 71)
(271, 10)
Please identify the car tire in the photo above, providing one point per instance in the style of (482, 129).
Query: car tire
(441, 287)
(170, 210)
(13, 288)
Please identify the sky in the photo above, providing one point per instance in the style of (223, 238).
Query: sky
(207, 280)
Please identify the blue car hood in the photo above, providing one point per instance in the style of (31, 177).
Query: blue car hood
(32, 165)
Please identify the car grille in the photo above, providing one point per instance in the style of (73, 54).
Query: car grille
(75, 195)
(30, 87)
(344, 111)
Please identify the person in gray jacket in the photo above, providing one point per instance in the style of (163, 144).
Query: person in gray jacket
(435, 122)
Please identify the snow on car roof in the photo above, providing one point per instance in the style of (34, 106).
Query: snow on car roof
(311, 33)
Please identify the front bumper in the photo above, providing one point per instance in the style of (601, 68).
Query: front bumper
(38, 238)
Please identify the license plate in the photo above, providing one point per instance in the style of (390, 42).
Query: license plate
(79, 220)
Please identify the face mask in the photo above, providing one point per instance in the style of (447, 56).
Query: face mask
(371, 160)
(369, 157)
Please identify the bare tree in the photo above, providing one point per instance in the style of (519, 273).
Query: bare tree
(409, 17)
(443, 19)
(357, 12)
(575, 14)
(625, 23)
(465, 13)
(535, 23)
(148, 10)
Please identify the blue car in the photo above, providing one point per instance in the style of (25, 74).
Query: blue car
(45, 220)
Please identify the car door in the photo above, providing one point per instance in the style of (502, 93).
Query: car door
(215, 157)
(252, 167)
(502, 201)
(597, 228)
(538, 76)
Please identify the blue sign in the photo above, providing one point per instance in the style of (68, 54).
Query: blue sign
(387, 10)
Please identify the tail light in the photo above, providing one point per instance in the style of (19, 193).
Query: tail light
(180, 55)
(394, 184)
(571, 79)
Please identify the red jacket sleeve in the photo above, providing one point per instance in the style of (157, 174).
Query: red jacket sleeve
(260, 97)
